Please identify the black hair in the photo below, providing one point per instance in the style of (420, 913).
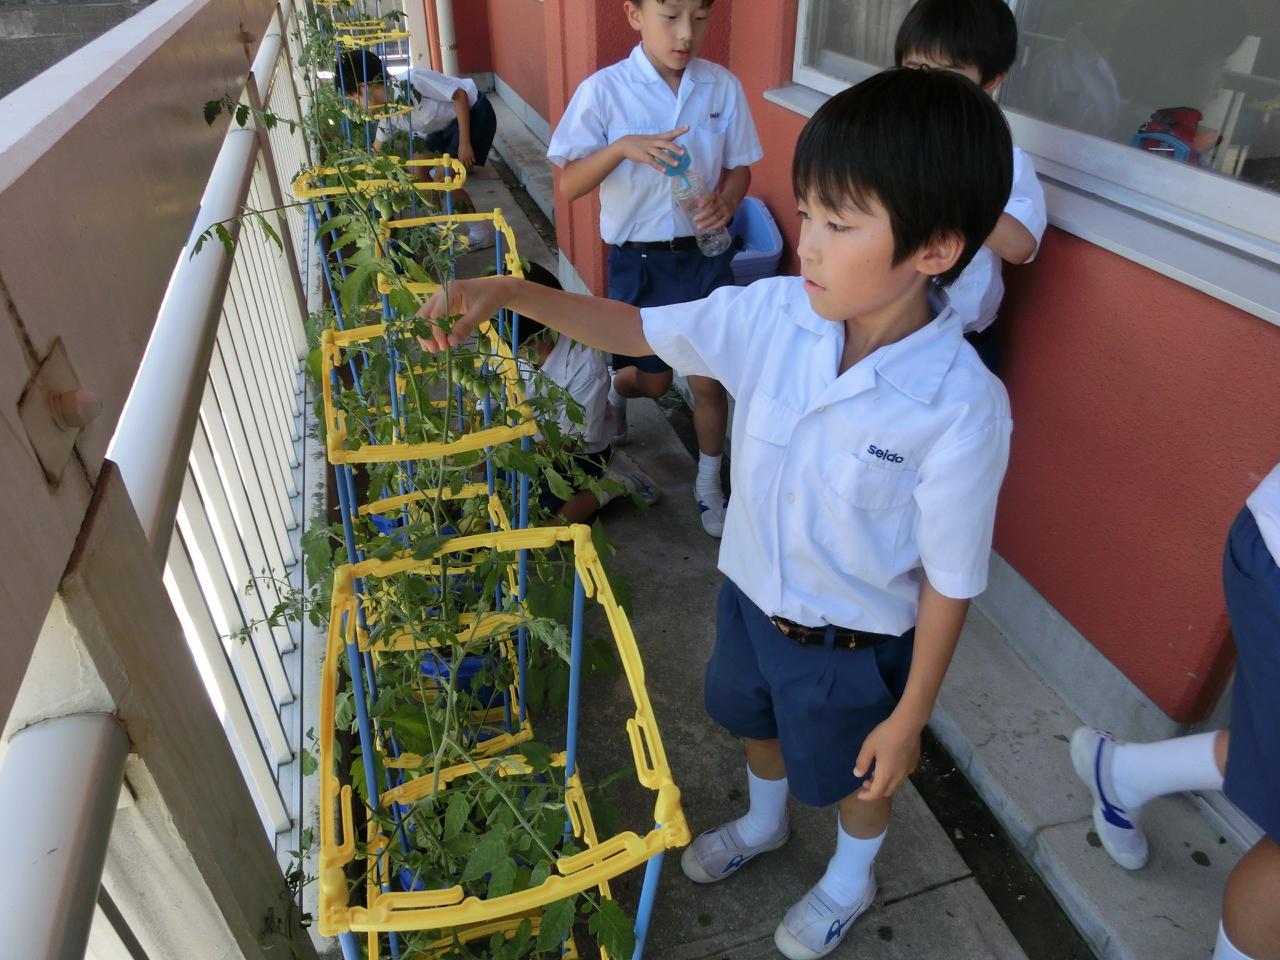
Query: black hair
(705, 3)
(962, 33)
(531, 329)
(356, 67)
(929, 145)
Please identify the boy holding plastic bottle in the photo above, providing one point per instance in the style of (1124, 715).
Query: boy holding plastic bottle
(620, 133)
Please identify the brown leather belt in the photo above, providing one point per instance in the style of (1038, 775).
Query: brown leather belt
(841, 637)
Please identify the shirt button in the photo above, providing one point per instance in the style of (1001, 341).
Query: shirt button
(820, 409)
(791, 498)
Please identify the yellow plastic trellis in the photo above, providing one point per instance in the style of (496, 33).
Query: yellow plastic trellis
(305, 187)
(371, 38)
(447, 222)
(332, 343)
(482, 931)
(593, 867)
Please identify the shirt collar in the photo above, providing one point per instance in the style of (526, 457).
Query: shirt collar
(917, 364)
(643, 71)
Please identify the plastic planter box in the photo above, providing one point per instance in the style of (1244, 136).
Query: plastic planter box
(762, 243)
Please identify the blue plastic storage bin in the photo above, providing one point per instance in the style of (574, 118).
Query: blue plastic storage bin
(761, 242)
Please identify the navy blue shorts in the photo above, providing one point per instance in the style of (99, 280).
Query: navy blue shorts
(1251, 581)
(484, 126)
(820, 702)
(656, 278)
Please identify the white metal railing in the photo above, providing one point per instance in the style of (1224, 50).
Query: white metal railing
(212, 444)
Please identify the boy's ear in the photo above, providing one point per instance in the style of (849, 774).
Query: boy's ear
(992, 85)
(940, 254)
(632, 9)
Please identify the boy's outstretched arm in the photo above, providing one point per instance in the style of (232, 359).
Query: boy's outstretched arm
(1011, 241)
(604, 324)
(894, 745)
(580, 177)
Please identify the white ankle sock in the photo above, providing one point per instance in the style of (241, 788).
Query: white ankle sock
(707, 486)
(849, 871)
(1224, 949)
(768, 814)
(615, 398)
(1142, 771)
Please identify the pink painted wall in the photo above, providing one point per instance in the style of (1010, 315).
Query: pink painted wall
(1143, 416)
(471, 28)
(518, 47)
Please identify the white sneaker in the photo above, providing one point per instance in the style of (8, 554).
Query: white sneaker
(720, 852)
(816, 925)
(634, 480)
(712, 511)
(1092, 753)
(480, 234)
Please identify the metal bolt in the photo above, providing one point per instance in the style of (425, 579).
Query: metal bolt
(74, 409)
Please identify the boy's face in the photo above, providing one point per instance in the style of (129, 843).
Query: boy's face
(846, 259)
(370, 94)
(926, 61)
(671, 31)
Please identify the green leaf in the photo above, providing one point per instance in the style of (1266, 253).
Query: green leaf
(309, 762)
(612, 929)
(455, 815)
(557, 921)
(540, 874)
(559, 486)
(503, 879)
(489, 854)
(242, 114)
(428, 547)
(356, 287)
(211, 110)
(228, 241)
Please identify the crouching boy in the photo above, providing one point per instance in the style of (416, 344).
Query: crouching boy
(870, 444)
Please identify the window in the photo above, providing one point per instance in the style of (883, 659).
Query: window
(1138, 113)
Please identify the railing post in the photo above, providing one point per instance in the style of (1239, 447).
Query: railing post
(59, 786)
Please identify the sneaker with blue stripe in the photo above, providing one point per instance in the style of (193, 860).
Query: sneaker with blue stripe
(816, 925)
(720, 852)
(1092, 755)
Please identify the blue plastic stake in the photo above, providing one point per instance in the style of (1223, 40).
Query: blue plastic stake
(648, 893)
(575, 676)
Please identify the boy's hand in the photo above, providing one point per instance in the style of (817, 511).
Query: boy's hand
(713, 213)
(653, 149)
(466, 156)
(894, 746)
(475, 300)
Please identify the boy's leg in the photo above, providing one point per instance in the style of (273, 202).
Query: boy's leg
(1250, 922)
(710, 421)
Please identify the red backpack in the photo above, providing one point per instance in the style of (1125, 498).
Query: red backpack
(1171, 131)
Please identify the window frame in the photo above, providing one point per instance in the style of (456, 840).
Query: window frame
(1230, 215)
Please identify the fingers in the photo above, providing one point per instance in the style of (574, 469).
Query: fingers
(677, 132)
(435, 311)
(866, 757)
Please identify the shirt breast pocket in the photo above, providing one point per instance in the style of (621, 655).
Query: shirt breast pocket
(707, 145)
(769, 427)
(869, 517)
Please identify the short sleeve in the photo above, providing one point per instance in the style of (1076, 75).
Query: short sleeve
(956, 497)
(436, 86)
(742, 146)
(1026, 199)
(582, 130)
(706, 338)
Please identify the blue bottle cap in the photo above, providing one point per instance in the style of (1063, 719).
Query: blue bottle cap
(680, 165)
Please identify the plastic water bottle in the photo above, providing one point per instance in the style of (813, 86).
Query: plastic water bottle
(687, 190)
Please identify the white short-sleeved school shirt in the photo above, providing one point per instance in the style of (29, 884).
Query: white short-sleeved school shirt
(976, 294)
(630, 98)
(1264, 504)
(432, 97)
(583, 374)
(847, 490)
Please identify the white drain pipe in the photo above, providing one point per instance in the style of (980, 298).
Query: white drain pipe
(448, 37)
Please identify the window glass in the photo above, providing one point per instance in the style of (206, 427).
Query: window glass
(849, 39)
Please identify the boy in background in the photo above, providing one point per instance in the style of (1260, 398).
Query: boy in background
(619, 133)
(979, 40)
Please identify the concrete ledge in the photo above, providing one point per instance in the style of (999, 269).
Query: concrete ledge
(1008, 730)
(530, 117)
(524, 153)
(1091, 685)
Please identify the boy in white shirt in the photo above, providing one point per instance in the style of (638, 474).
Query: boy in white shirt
(979, 39)
(581, 373)
(448, 115)
(623, 125)
(870, 443)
